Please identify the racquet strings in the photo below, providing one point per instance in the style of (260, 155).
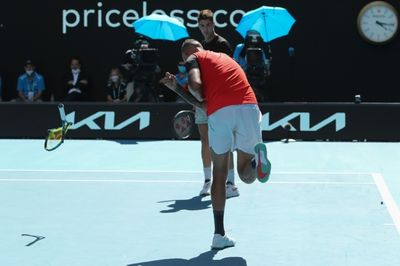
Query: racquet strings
(55, 137)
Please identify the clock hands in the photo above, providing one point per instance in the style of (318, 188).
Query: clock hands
(383, 24)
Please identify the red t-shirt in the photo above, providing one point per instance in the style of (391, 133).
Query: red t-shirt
(224, 82)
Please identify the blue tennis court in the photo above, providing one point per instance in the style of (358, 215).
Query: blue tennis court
(119, 203)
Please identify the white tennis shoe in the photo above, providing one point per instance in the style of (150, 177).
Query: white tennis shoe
(205, 191)
(221, 242)
(231, 191)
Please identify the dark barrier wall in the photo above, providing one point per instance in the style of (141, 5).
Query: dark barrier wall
(331, 62)
(313, 121)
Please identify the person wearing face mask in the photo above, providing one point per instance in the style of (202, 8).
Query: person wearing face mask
(181, 79)
(116, 87)
(30, 85)
(76, 83)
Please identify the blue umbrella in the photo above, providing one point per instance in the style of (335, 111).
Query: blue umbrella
(270, 22)
(160, 27)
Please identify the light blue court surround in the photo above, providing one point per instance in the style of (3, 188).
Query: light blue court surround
(108, 203)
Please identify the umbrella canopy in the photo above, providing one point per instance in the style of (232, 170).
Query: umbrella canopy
(270, 22)
(160, 27)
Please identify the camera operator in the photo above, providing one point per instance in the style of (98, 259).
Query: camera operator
(251, 56)
(142, 71)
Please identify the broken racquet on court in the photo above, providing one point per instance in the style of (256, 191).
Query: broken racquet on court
(55, 136)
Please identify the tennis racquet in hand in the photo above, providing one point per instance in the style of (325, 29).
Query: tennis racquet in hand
(183, 124)
(55, 136)
(170, 82)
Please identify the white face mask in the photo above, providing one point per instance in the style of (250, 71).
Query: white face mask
(114, 78)
(29, 72)
(76, 71)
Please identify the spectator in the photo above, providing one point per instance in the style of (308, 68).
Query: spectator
(212, 41)
(181, 79)
(182, 75)
(30, 85)
(76, 82)
(116, 87)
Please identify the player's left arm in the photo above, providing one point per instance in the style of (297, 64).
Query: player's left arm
(194, 80)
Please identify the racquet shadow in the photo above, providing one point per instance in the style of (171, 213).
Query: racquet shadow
(194, 204)
(204, 259)
(125, 141)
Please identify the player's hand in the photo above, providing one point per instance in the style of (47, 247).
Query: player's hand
(169, 80)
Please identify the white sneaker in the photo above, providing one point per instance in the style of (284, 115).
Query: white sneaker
(221, 242)
(205, 191)
(231, 191)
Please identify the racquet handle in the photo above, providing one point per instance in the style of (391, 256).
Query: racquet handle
(62, 112)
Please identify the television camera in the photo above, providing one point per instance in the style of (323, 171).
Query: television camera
(143, 70)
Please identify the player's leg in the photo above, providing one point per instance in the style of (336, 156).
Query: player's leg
(231, 188)
(220, 172)
(247, 171)
(220, 132)
(201, 121)
(252, 161)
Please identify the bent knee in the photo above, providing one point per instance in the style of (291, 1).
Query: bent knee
(248, 179)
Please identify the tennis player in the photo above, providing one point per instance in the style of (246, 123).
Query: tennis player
(233, 123)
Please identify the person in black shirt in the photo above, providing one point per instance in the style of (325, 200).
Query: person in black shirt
(212, 41)
(76, 83)
(116, 87)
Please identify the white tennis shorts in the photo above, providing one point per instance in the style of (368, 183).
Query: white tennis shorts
(235, 127)
(200, 116)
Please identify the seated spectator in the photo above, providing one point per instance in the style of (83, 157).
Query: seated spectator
(30, 85)
(116, 87)
(76, 83)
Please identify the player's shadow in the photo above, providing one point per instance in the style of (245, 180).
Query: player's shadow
(204, 259)
(193, 204)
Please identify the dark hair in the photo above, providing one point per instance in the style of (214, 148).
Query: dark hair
(205, 14)
(75, 58)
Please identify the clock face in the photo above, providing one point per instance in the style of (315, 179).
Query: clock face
(378, 22)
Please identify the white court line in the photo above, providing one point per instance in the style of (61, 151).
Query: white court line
(169, 181)
(387, 199)
(388, 224)
(168, 171)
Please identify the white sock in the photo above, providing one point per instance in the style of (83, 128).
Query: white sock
(231, 176)
(207, 173)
